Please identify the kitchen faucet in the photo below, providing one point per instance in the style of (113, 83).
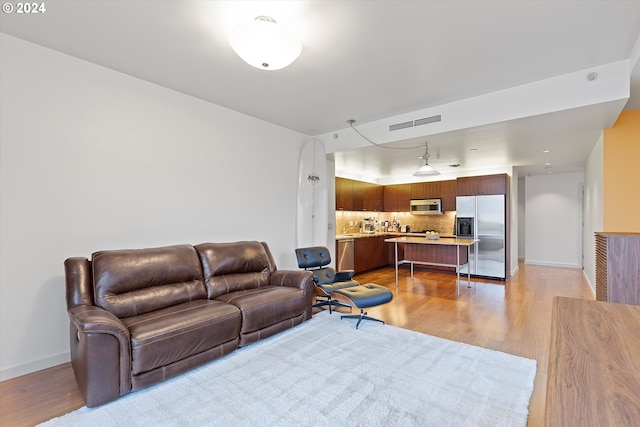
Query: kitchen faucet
(347, 228)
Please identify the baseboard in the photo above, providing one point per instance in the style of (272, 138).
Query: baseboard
(552, 264)
(34, 366)
(515, 270)
(591, 287)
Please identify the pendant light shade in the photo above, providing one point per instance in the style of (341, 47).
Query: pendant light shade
(265, 44)
(426, 169)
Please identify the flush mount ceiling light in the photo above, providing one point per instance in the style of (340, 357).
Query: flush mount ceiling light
(426, 169)
(265, 44)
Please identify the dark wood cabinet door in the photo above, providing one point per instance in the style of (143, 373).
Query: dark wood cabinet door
(397, 197)
(373, 197)
(418, 190)
(482, 185)
(363, 248)
(390, 193)
(449, 192)
(433, 190)
(357, 195)
(426, 190)
(352, 195)
(371, 252)
(343, 194)
(403, 198)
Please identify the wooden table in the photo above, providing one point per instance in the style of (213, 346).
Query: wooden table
(440, 258)
(594, 364)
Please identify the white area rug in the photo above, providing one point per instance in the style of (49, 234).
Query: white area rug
(325, 372)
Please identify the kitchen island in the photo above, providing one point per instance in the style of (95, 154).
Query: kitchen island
(442, 252)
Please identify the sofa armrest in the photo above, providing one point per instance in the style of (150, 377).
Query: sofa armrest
(296, 279)
(100, 354)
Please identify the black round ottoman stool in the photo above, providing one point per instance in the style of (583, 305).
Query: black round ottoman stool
(364, 296)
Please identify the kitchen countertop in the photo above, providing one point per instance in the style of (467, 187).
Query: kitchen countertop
(387, 233)
(448, 241)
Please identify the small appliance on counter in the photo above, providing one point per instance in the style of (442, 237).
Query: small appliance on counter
(368, 226)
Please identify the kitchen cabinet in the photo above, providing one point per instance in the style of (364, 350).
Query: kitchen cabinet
(344, 201)
(404, 197)
(373, 197)
(352, 195)
(397, 197)
(390, 194)
(365, 247)
(482, 185)
(426, 190)
(357, 195)
(371, 252)
(390, 250)
(445, 190)
(449, 192)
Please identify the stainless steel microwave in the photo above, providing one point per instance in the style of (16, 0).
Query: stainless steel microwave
(426, 207)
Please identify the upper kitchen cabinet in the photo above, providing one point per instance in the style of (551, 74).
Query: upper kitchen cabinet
(449, 192)
(357, 195)
(397, 197)
(426, 190)
(482, 185)
(373, 198)
(344, 199)
(354, 195)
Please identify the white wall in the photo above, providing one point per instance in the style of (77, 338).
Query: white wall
(521, 218)
(553, 226)
(514, 221)
(94, 159)
(594, 211)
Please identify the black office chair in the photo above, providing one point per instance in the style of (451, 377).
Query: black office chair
(326, 279)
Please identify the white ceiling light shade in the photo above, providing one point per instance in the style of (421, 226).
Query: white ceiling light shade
(265, 44)
(426, 169)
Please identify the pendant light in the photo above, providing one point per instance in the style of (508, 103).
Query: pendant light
(265, 44)
(426, 169)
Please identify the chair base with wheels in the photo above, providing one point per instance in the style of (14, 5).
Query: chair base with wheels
(365, 296)
(325, 291)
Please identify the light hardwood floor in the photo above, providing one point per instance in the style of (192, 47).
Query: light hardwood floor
(512, 316)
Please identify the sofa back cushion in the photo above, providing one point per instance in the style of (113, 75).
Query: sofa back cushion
(230, 267)
(131, 282)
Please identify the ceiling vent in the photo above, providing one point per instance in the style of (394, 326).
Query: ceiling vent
(428, 120)
(418, 122)
(401, 126)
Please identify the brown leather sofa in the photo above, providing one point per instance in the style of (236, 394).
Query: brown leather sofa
(140, 316)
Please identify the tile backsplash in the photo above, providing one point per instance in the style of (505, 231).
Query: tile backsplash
(349, 221)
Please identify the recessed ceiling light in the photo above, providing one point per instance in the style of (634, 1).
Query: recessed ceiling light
(547, 164)
(546, 151)
(473, 149)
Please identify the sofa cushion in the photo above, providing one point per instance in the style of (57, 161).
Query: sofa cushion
(231, 267)
(164, 336)
(131, 282)
(266, 306)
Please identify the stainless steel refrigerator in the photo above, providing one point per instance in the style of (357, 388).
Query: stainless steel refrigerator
(488, 224)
